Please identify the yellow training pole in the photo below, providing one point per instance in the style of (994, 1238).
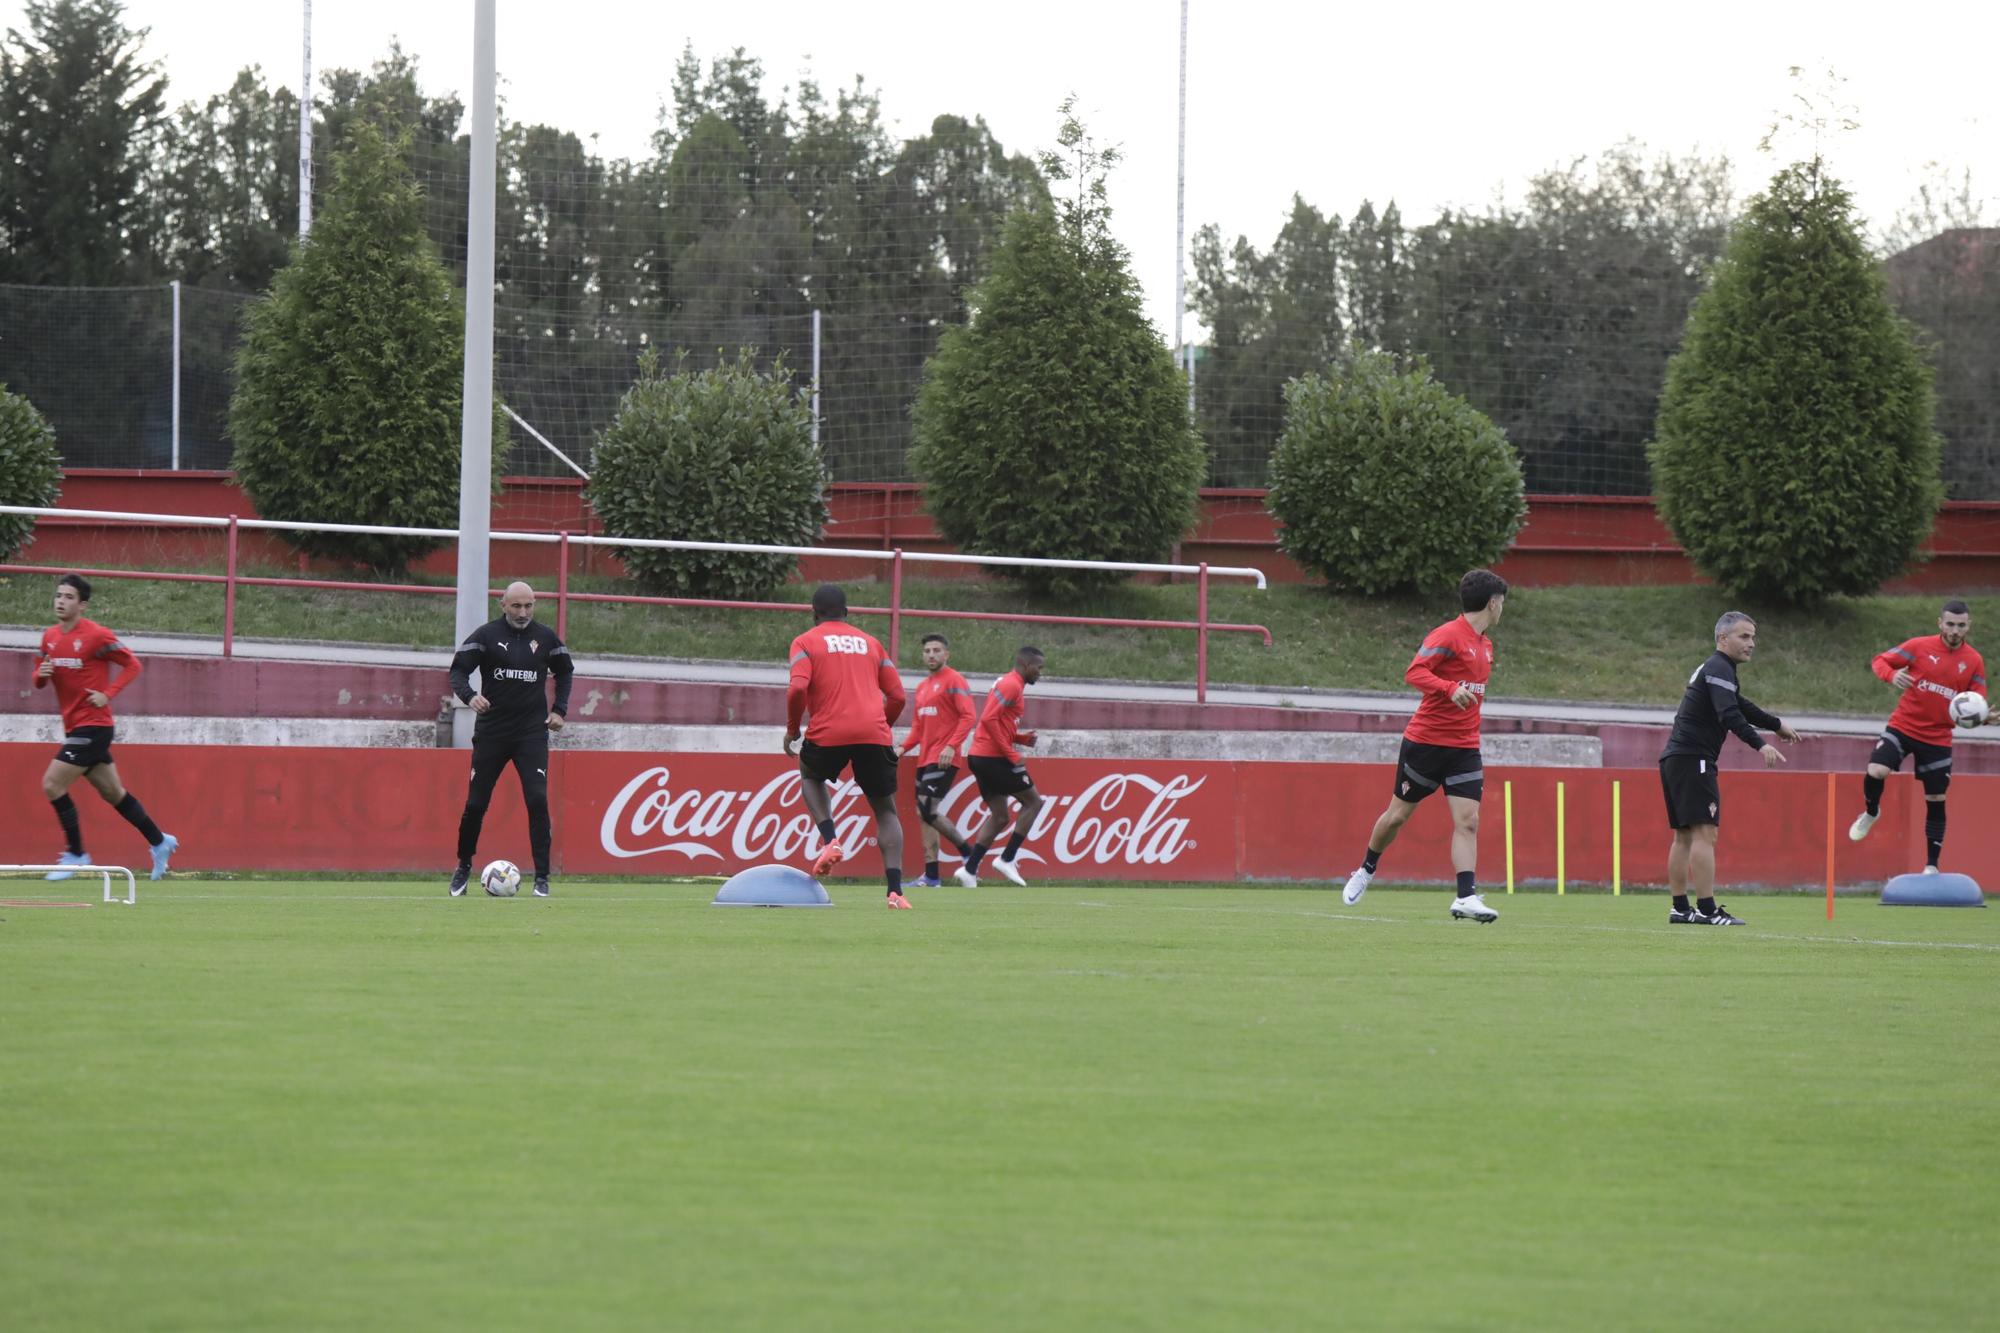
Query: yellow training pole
(1617, 844)
(1507, 790)
(1560, 840)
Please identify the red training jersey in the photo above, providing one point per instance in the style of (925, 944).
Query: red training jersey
(846, 685)
(994, 738)
(1452, 654)
(943, 715)
(83, 657)
(1924, 711)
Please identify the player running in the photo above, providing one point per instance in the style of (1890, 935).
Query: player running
(1440, 747)
(846, 685)
(1000, 771)
(1711, 707)
(1929, 672)
(514, 655)
(76, 657)
(942, 723)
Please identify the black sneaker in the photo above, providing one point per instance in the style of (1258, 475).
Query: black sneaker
(460, 878)
(1719, 917)
(541, 886)
(1683, 916)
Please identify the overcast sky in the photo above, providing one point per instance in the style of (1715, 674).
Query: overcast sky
(1431, 105)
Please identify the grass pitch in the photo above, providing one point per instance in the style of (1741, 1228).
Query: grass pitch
(328, 1105)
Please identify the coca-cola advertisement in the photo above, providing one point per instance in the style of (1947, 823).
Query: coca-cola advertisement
(719, 813)
(252, 808)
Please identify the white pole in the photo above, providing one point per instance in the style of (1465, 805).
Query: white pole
(475, 469)
(177, 374)
(306, 130)
(1180, 224)
(815, 377)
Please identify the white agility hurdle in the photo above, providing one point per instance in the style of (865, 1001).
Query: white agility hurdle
(130, 899)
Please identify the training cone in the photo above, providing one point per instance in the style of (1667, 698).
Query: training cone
(771, 886)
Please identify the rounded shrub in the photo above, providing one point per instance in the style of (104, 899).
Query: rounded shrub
(722, 455)
(1794, 456)
(30, 469)
(1384, 480)
(350, 376)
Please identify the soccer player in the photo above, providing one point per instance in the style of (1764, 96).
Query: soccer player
(1440, 747)
(1000, 771)
(76, 657)
(514, 655)
(938, 733)
(1712, 706)
(846, 685)
(1929, 672)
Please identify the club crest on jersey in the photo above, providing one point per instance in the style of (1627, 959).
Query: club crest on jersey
(535, 647)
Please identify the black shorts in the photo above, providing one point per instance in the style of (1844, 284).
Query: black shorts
(1423, 769)
(874, 765)
(998, 777)
(933, 784)
(1931, 763)
(86, 747)
(1693, 795)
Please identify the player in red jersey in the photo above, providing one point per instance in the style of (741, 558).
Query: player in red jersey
(76, 657)
(847, 684)
(1000, 771)
(1440, 747)
(1928, 671)
(939, 729)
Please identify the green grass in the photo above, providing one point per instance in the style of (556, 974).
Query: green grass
(264, 1105)
(1620, 644)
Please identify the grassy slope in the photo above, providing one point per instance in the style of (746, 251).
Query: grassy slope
(317, 1105)
(1634, 644)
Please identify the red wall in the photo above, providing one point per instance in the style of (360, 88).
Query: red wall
(1568, 539)
(397, 810)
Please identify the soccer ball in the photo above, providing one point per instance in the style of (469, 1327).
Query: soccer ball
(1968, 709)
(501, 879)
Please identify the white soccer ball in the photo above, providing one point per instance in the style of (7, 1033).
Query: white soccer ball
(1968, 709)
(501, 879)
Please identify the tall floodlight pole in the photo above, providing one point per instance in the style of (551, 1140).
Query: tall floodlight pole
(475, 432)
(306, 129)
(1180, 226)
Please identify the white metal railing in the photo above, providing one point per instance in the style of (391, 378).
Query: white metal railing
(896, 559)
(552, 538)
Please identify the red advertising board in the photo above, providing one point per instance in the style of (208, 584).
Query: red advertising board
(254, 808)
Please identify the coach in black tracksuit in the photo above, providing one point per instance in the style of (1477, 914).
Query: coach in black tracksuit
(514, 656)
(1712, 707)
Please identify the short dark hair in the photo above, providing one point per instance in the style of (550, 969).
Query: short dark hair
(79, 582)
(829, 602)
(1955, 607)
(1480, 587)
(937, 638)
(1028, 650)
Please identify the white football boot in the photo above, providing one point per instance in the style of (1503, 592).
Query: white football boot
(1473, 908)
(1859, 828)
(1009, 871)
(1357, 884)
(966, 878)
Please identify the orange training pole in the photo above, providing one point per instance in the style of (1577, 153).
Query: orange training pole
(1829, 845)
